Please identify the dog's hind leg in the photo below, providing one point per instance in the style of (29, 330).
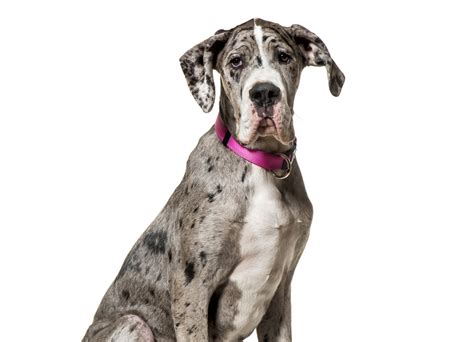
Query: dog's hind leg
(127, 328)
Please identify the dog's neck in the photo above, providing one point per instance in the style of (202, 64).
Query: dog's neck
(267, 144)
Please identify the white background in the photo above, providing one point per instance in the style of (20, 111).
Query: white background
(96, 124)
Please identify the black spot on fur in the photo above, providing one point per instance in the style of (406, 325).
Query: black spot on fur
(192, 79)
(210, 166)
(193, 224)
(187, 304)
(266, 338)
(320, 62)
(152, 291)
(244, 174)
(133, 327)
(156, 242)
(189, 272)
(235, 75)
(211, 196)
(159, 277)
(195, 210)
(177, 324)
(203, 258)
(125, 294)
(201, 219)
(170, 256)
(180, 223)
(191, 330)
(259, 61)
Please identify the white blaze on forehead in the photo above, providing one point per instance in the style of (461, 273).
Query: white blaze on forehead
(258, 33)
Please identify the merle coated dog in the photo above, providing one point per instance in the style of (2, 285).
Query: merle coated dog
(217, 262)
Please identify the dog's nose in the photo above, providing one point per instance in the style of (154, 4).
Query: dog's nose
(265, 94)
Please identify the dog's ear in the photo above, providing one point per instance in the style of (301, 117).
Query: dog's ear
(198, 63)
(316, 53)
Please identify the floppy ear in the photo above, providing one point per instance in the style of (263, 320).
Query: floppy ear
(197, 64)
(316, 53)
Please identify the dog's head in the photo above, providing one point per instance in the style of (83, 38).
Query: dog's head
(260, 65)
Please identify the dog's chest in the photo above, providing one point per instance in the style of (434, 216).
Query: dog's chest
(267, 244)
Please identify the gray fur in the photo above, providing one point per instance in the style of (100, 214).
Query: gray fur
(197, 64)
(175, 282)
(318, 56)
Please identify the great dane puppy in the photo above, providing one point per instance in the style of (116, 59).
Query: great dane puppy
(217, 262)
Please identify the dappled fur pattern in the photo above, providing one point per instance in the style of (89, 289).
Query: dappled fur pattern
(175, 283)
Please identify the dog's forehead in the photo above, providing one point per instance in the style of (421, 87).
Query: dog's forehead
(273, 29)
(246, 32)
(243, 35)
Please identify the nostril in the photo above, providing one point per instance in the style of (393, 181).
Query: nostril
(256, 95)
(274, 93)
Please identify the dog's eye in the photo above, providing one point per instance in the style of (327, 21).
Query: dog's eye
(284, 58)
(236, 62)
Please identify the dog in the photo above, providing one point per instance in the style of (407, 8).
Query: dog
(218, 261)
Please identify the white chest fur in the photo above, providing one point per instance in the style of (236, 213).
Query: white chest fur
(267, 248)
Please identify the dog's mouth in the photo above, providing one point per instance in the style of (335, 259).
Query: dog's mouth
(268, 122)
(266, 127)
(272, 123)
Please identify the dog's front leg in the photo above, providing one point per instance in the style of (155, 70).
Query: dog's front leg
(190, 301)
(275, 325)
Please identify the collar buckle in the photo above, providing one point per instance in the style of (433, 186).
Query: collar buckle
(288, 165)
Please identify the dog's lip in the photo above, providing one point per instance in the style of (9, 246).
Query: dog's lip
(266, 126)
(266, 122)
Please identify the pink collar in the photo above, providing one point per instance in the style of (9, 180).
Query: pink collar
(269, 161)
